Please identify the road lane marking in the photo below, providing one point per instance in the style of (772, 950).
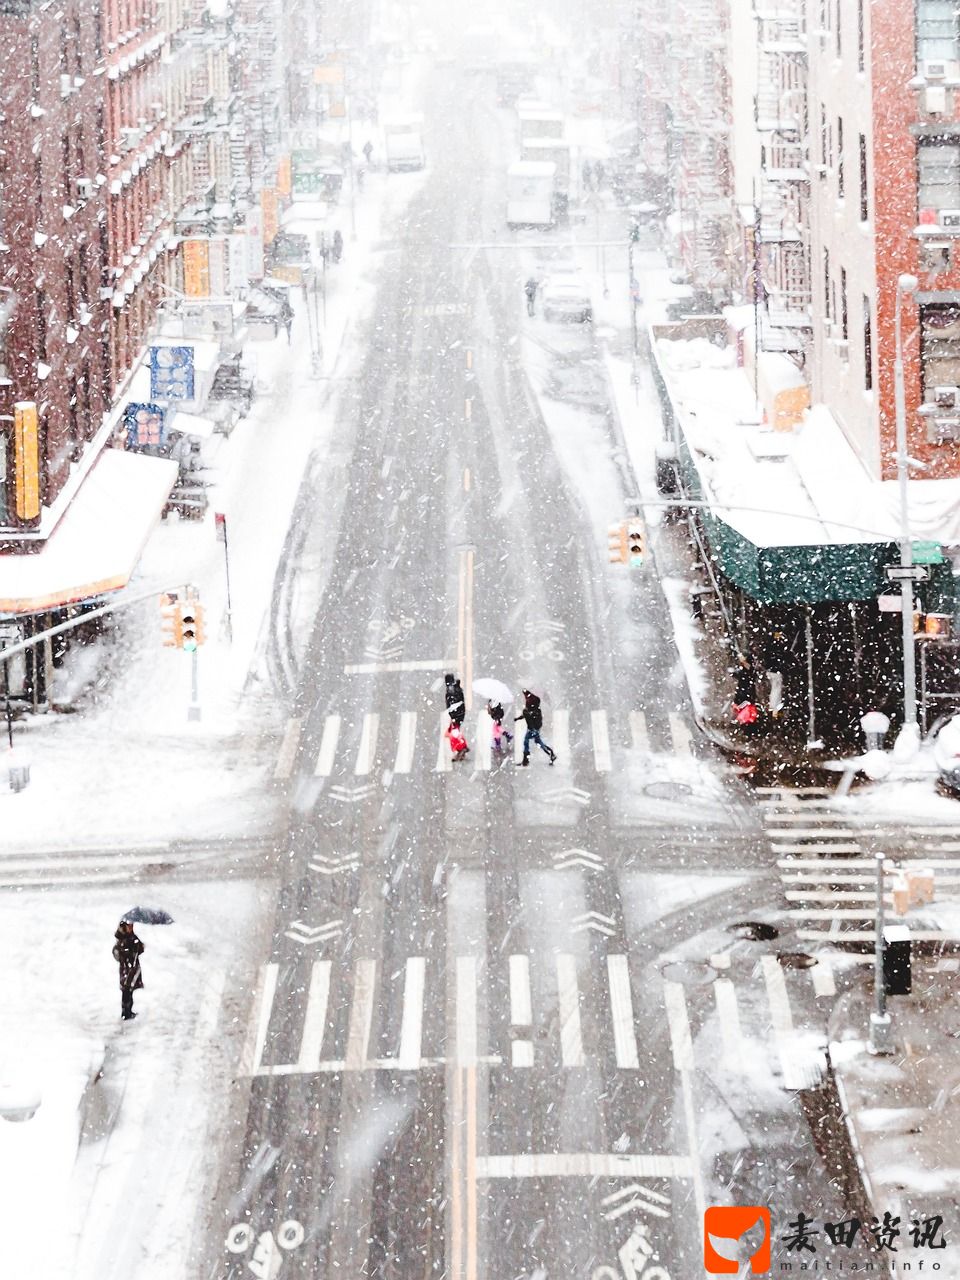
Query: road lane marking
(679, 1025)
(288, 750)
(466, 1011)
(361, 1015)
(411, 1022)
(456, 1198)
(468, 408)
(385, 469)
(680, 735)
(568, 997)
(406, 741)
(601, 741)
(560, 735)
(729, 1015)
(315, 1019)
(471, 1173)
(621, 1009)
(638, 732)
(444, 755)
(521, 1010)
(262, 1007)
(578, 1164)
(468, 661)
(466, 479)
(367, 753)
(375, 668)
(469, 359)
(518, 735)
(484, 740)
(328, 747)
(789, 1050)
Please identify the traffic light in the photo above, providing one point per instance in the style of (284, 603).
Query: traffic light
(617, 543)
(192, 634)
(171, 622)
(635, 544)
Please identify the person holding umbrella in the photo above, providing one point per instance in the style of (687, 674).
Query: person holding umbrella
(533, 717)
(127, 951)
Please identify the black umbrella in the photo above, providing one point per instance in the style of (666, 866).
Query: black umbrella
(148, 915)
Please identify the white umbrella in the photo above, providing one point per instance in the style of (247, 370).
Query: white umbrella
(494, 690)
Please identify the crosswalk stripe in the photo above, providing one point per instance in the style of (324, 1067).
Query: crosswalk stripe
(568, 996)
(814, 847)
(822, 976)
(560, 739)
(406, 741)
(621, 1010)
(361, 1015)
(520, 730)
(252, 1050)
(601, 741)
(367, 752)
(311, 1043)
(678, 1023)
(680, 735)
(729, 1015)
(264, 1007)
(288, 750)
(444, 757)
(521, 1010)
(466, 1011)
(638, 732)
(819, 833)
(328, 747)
(789, 1049)
(411, 1022)
(484, 740)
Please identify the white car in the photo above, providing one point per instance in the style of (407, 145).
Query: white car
(566, 298)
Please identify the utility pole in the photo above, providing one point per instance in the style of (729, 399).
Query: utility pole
(906, 284)
(881, 1024)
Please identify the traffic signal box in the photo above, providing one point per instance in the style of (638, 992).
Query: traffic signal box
(181, 623)
(635, 544)
(617, 541)
(192, 633)
(626, 543)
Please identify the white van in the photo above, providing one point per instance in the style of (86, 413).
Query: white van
(530, 193)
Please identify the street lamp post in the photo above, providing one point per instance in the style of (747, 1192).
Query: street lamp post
(906, 284)
(881, 1024)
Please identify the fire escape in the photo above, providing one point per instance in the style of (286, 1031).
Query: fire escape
(783, 256)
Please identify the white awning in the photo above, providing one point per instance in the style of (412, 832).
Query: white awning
(192, 424)
(97, 543)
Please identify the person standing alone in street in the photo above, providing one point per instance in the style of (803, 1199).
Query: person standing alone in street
(532, 715)
(127, 951)
(530, 289)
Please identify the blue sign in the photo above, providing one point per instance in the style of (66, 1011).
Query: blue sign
(145, 425)
(171, 373)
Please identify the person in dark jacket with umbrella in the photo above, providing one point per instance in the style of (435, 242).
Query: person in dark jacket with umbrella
(532, 715)
(127, 952)
(456, 703)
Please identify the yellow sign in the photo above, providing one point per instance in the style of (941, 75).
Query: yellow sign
(270, 204)
(330, 73)
(196, 268)
(284, 175)
(26, 447)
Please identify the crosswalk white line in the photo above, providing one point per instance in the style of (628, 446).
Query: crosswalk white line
(559, 737)
(822, 975)
(361, 1015)
(729, 1014)
(406, 741)
(601, 741)
(519, 731)
(311, 1043)
(678, 1023)
(484, 740)
(521, 1010)
(328, 747)
(411, 1022)
(789, 1049)
(288, 750)
(257, 1023)
(621, 1010)
(466, 1039)
(444, 757)
(638, 732)
(680, 735)
(265, 1007)
(367, 752)
(568, 996)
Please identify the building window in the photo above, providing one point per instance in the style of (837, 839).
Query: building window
(867, 346)
(837, 29)
(939, 348)
(938, 30)
(864, 198)
(823, 135)
(826, 283)
(938, 173)
(860, 35)
(839, 158)
(843, 303)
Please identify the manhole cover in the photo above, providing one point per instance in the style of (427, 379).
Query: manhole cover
(667, 790)
(754, 931)
(796, 960)
(689, 973)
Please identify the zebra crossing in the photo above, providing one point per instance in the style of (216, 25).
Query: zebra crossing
(332, 1016)
(373, 742)
(826, 858)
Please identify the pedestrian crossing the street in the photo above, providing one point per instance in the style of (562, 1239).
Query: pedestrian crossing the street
(826, 858)
(562, 1011)
(397, 745)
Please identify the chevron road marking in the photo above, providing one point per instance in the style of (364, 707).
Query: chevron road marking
(621, 1010)
(521, 1010)
(288, 750)
(325, 866)
(595, 922)
(352, 795)
(601, 741)
(568, 996)
(641, 1198)
(564, 859)
(309, 935)
(568, 793)
(367, 752)
(328, 747)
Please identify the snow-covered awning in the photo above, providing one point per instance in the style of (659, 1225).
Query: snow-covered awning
(97, 543)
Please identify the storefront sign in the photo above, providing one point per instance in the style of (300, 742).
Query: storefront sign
(196, 268)
(171, 373)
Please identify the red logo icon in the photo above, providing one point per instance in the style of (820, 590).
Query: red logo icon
(734, 1233)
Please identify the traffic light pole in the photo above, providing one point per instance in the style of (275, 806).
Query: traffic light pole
(193, 711)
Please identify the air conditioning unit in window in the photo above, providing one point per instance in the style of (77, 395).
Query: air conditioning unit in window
(842, 347)
(950, 218)
(946, 397)
(934, 69)
(935, 100)
(943, 430)
(85, 188)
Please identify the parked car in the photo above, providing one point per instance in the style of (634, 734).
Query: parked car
(566, 298)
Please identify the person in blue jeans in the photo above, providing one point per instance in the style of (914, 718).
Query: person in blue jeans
(532, 715)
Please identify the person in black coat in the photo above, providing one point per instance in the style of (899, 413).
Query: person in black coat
(127, 951)
(532, 715)
(456, 703)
